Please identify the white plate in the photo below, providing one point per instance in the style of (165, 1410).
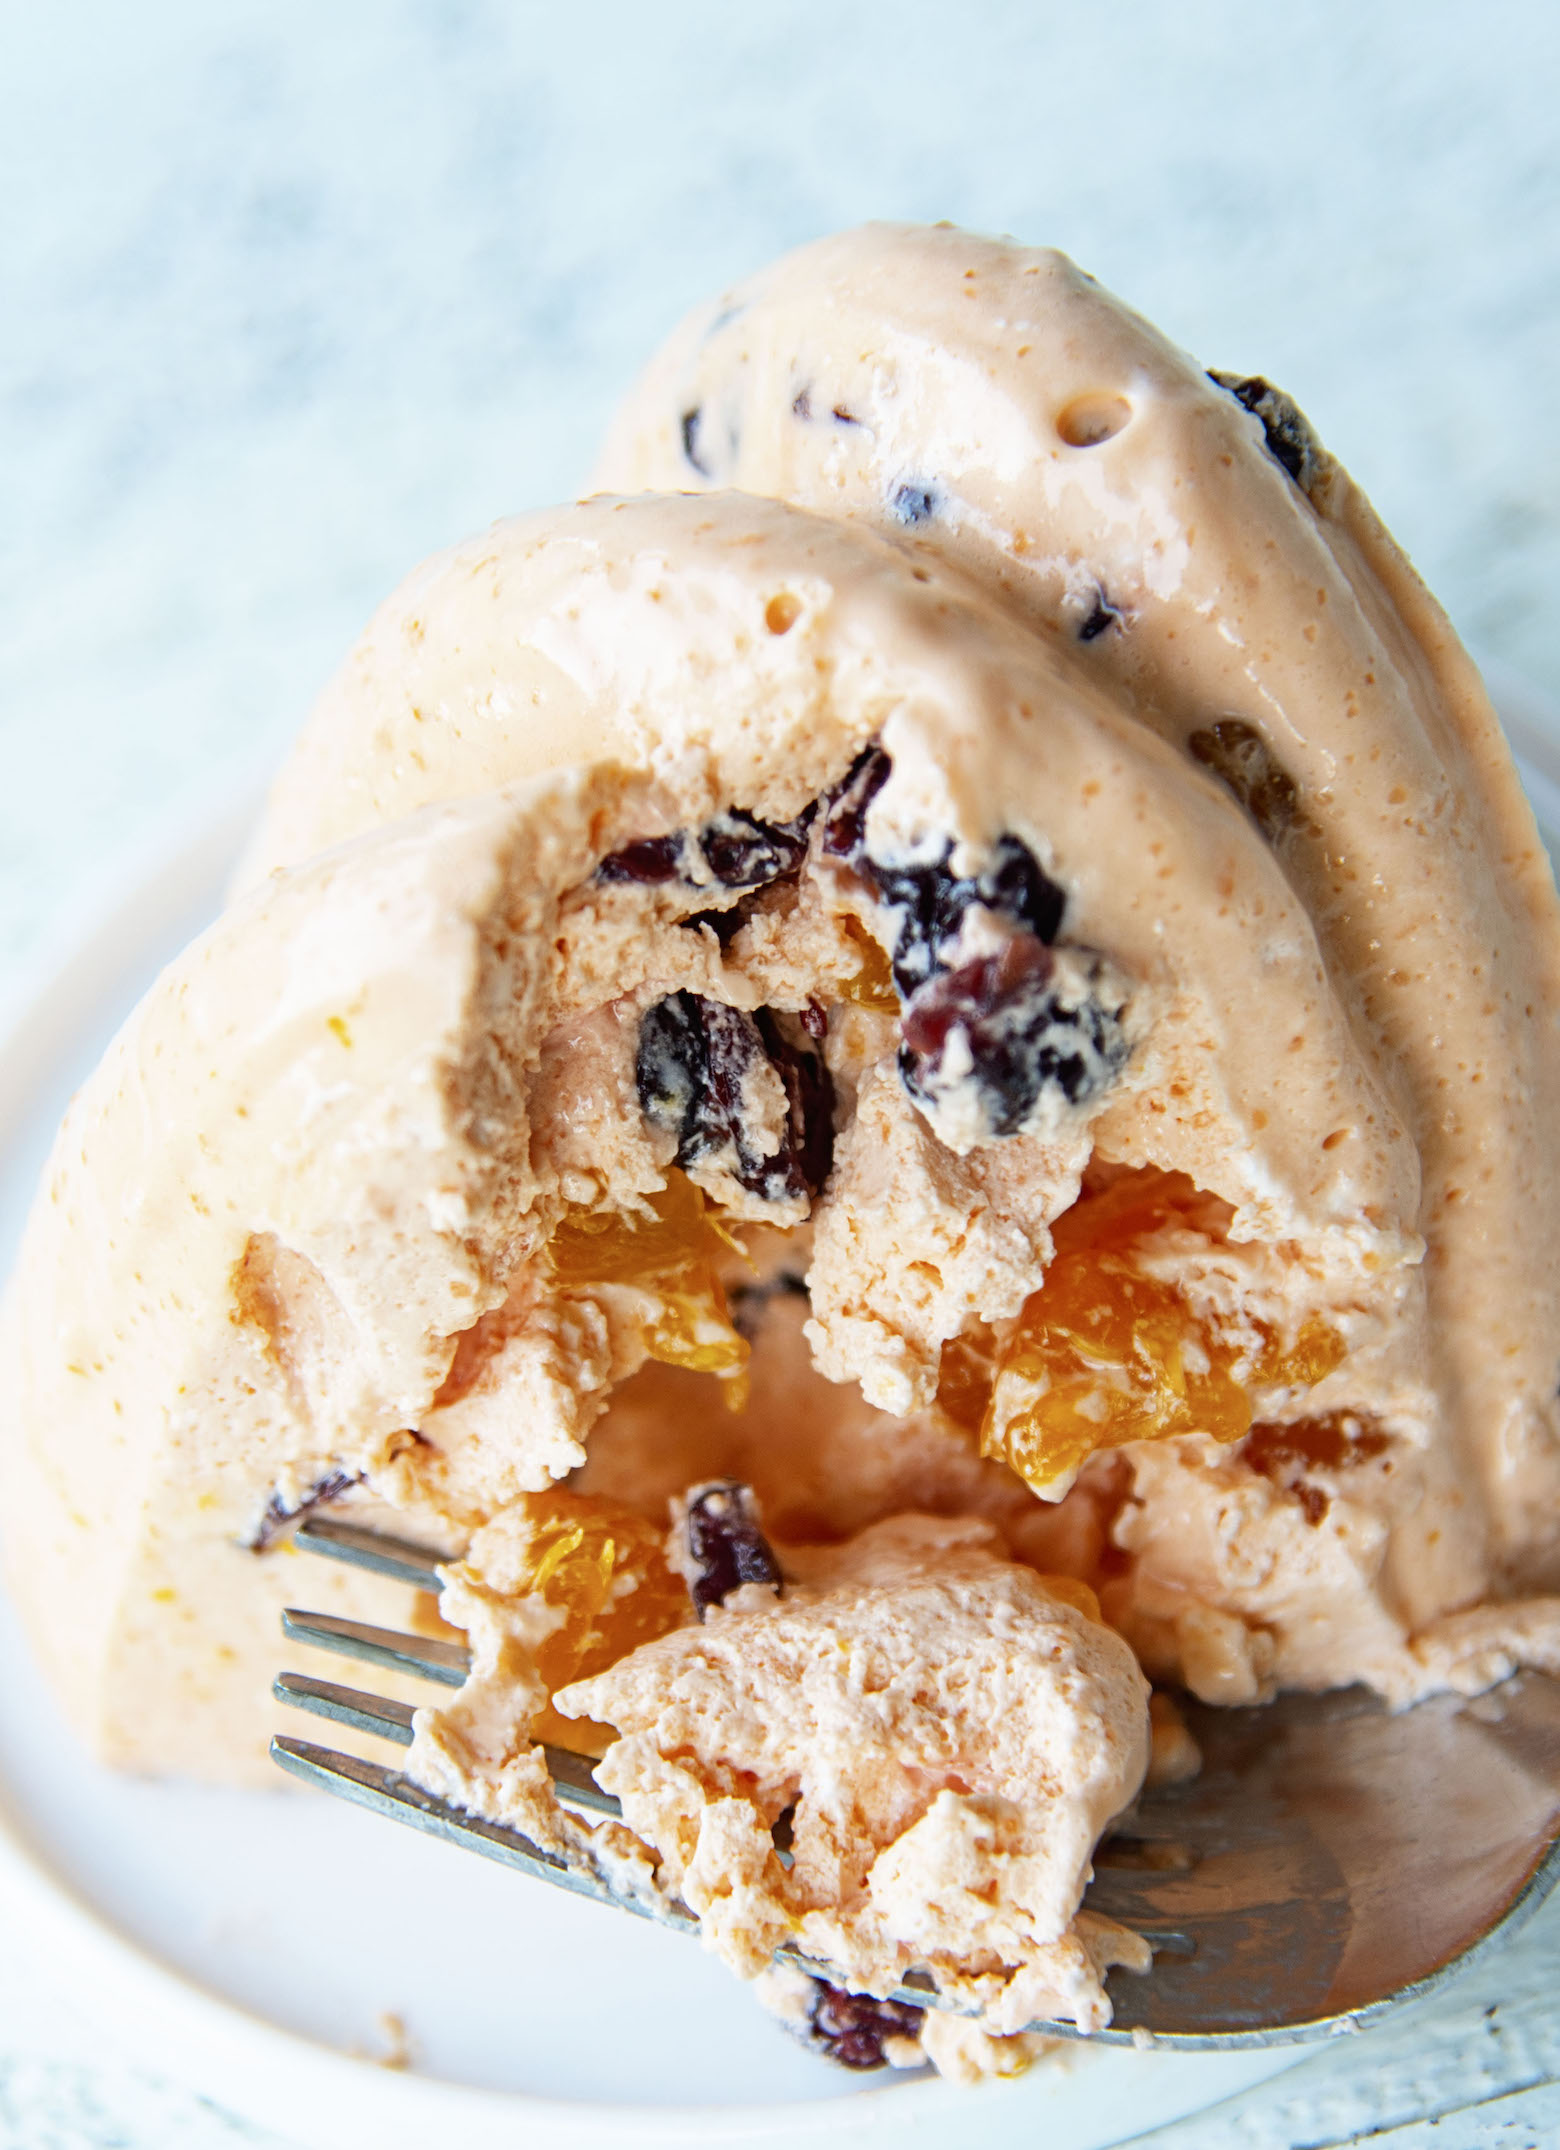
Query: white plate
(248, 1944)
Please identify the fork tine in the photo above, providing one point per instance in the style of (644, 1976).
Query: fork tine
(347, 1705)
(385, 1791)
(445, 1662)
(571, 1773)
(398, 1558)
(575, 1785)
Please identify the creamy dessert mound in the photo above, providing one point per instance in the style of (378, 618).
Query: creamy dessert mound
(887, 1112)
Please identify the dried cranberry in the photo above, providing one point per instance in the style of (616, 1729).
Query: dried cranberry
(932, 901)
(651, 859)
(671, 1065)
(726, 924)
(278, 1518)
(809, 1092)
(1285, 427)
(845, 824)
(740, 850)
(691, 1066)
(749, 1302)
(1102, 614)
(1238, 754)
(1018, 1036)
(913, 503)
(726, 1543)
(933, 904)
(1016, 886)
(851, 2027)
(744, 852)
(692, 427)
(802, 407)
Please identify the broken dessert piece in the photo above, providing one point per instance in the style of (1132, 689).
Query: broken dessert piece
(988, 1026)
(888, 1755)
(947, 1737)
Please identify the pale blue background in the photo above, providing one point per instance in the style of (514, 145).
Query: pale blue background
(290, 295)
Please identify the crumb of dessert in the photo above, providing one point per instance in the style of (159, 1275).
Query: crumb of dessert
(1174, 1756)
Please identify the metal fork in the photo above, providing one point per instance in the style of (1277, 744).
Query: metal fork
(1330, 1862)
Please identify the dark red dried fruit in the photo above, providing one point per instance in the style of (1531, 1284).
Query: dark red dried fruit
(802, 407)
(692, 425)
(845, 823)
(748, 1302)
(691, 1064)
(1021, 1036)
(1102, 614)
(726, 924)
(851, 2027)
(1290, 440)
(1241, 758)
(740, 850)
(1018, 1037)
(731, 1045)
(651, 859)
(934, 903)
(913, 503)
(726, 1543)
(973, 991)
(744, 852)
(279, 1519)
(671, 1065)
(809, 1091)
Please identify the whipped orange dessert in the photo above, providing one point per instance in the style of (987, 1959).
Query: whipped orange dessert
(897, 1079)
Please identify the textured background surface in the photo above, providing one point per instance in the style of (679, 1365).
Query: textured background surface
(293, 295)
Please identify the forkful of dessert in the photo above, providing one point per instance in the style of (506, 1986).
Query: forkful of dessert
(1328, 1861)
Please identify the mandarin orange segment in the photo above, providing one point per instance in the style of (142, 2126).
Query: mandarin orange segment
(1135, 1204)
(670, 1254)
(873, 985)
(1101, 1357)
(1075, 1593)
(1104, 1354)
(1314, 1353)
(965, 1373)
(604, 1568)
